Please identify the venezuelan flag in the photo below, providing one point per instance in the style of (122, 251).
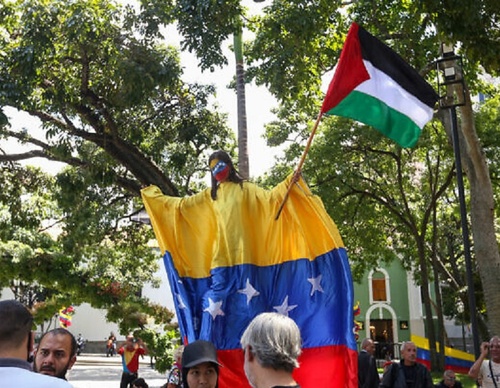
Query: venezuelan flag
(456, 360)
(228, 260)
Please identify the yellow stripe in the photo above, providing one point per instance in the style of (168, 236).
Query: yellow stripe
(240, 226)
(213, 163)
(423, 343)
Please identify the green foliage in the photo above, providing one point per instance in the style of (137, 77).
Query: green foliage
(161, 346)
(114, 109)
(296, 42)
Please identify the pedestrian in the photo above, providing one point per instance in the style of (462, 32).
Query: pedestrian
(174, 377)
(16, 347)
(449, 380)
(488, 371)
(408, 372)
(367, 366)
(111, 345)
(200, 366)
(271, 345)
(130, 352)
(80, 344)
(56, 353)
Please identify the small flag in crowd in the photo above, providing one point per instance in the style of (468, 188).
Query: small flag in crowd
(65, 316)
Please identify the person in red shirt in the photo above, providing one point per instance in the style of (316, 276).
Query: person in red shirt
(130, 352)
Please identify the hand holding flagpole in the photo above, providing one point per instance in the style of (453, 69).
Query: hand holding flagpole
(301, 163)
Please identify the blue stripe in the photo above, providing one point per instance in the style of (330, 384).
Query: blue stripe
(452, 361)
(325, 317)
(423, 354)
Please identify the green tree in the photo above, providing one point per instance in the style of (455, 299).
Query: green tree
(114, 109)
(111, 106)
(291, 53)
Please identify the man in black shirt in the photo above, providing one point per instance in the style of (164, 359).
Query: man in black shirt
(407, 373)
(367, 368)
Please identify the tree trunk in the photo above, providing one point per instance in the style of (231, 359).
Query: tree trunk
(482, 216)
(243, 164)
(429, 323)
(439, 300)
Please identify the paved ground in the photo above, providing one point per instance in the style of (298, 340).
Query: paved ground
(99, 371)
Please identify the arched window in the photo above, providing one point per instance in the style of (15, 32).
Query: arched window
(379, 286)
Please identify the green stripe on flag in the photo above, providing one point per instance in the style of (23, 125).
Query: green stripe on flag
(371, 111)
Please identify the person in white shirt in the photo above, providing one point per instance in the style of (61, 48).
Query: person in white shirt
(16, 348)
(488, 370)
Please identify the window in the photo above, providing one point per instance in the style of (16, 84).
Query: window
(379, 289)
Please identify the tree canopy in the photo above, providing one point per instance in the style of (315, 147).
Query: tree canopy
(113, 107)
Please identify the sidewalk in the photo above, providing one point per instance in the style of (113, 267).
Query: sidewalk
(96, 370)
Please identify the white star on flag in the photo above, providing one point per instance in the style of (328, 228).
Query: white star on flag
(214, 308)
(316, 284)
(249, 291)
(180, 302)
(284, 308)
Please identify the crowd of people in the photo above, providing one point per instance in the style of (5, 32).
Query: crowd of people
(271, 346)
(408, 373)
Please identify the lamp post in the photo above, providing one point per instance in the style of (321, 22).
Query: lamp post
(452, 81)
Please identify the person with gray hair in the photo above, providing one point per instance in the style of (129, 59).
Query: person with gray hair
(449, 380)
(174, 378)
(488, 370)
(271, 345)
(367, 367)
(16, 347)
(408, 372)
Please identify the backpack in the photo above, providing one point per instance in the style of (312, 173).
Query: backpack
(173, 370)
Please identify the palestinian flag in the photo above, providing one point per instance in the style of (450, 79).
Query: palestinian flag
(374, 85)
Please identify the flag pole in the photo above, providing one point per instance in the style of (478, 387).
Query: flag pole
(301, 163)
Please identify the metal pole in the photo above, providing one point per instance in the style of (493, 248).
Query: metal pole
(465, 232)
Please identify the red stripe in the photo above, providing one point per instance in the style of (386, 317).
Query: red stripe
(425, 362)
(457, 369)
(328, 366)
(350, 71)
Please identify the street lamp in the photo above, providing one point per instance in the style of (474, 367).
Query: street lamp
(140, 216)
(451, 82)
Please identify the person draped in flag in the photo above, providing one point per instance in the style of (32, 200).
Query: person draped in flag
(130, 352)
(229, 258)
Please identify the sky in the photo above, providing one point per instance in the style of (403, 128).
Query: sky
(259, 104)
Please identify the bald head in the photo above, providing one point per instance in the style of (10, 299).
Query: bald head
(368, 345)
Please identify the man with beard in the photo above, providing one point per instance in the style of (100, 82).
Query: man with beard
(16, 345)
(56, 353)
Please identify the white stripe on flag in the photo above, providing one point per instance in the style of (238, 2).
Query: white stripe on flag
(385, 89)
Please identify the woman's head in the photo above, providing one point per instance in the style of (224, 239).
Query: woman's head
(200, 367)
(222, 170)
